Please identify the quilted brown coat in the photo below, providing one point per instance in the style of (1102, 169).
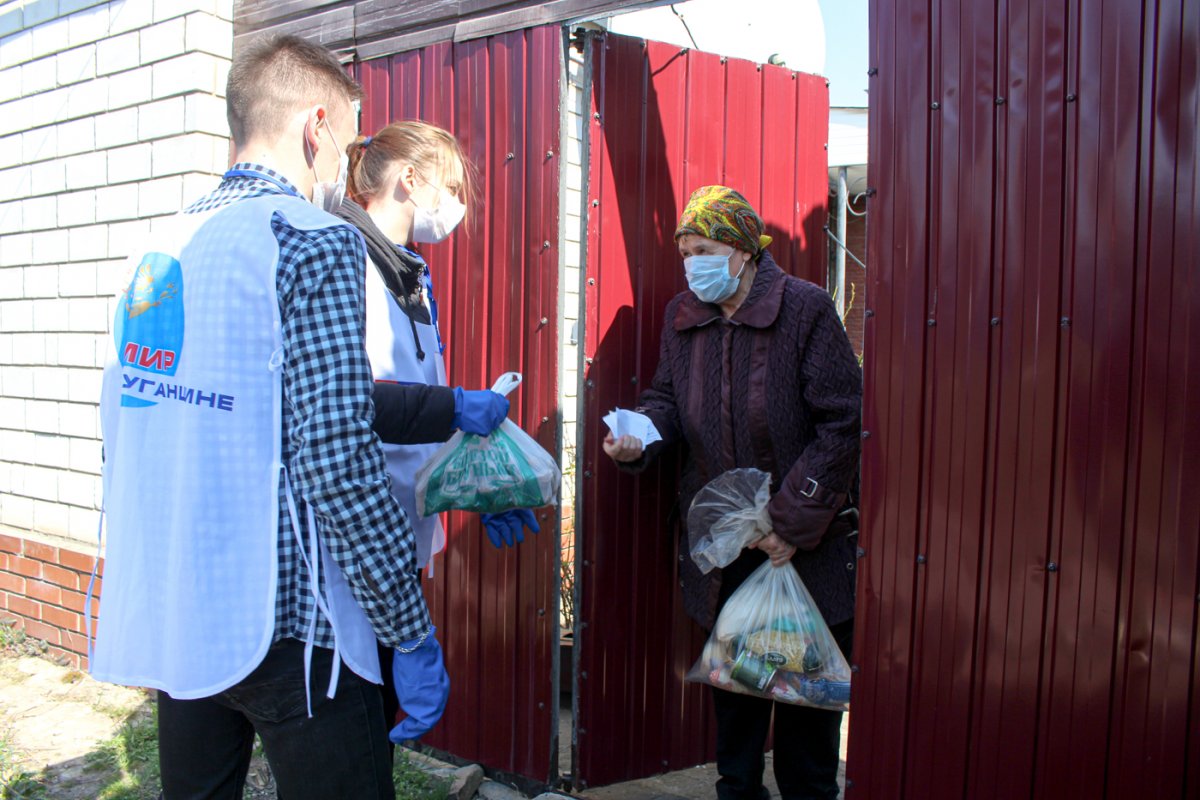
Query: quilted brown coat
(776, 386)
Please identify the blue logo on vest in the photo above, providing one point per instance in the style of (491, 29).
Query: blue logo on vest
(149, 323)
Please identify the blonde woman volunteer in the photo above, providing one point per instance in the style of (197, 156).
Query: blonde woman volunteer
(407, 185)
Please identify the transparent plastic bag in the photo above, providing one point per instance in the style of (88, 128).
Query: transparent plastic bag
(729, 513)
(504, 470)
(771, 641)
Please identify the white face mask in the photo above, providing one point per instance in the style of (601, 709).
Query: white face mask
(434, 225)
(328, 194)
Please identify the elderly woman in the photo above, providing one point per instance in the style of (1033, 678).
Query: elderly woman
(755, 370)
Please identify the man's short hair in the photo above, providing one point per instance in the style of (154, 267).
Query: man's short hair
(276, 76)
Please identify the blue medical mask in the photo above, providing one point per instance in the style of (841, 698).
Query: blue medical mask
(709, 279)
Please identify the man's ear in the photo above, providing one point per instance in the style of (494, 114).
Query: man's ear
(314, 117)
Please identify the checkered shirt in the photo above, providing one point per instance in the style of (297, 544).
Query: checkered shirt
(332, 456)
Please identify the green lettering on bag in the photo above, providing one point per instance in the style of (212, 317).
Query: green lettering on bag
(484, 474)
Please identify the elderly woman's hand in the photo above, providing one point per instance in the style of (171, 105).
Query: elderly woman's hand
(779, 551)
(625, 449)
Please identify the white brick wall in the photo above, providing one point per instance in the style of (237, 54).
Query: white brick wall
(572, 263)
(111, 114)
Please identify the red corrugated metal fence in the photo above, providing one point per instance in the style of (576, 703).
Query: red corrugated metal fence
(1027, 603)
(496, 282)
(663, 122)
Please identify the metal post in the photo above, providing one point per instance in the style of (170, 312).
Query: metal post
(839, 257)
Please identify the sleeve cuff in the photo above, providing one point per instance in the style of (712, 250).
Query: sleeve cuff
(802, 517)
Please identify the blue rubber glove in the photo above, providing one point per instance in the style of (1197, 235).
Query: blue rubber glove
(422, 687)
(479, 411)
(509, 526)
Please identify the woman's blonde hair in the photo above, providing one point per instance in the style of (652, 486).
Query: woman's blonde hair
(432, 150)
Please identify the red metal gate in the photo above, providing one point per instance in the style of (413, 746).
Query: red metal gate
(497, 285)
(663, 122)
(1027, 608)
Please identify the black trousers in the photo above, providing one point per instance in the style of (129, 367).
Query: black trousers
(204, 745)
(807, 740)
(391, 704)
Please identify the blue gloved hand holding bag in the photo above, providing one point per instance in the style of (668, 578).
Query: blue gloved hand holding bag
(479, 411)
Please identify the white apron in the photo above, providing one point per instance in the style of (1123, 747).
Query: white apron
(394, 359)
(191, 413)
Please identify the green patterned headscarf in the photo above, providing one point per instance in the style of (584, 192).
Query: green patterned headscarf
(721, 214)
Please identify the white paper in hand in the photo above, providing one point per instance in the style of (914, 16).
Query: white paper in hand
(623, 422)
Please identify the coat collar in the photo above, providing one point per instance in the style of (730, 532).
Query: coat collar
(759, 310)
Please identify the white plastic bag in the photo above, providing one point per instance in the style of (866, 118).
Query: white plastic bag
(729, 513)
(771, 641)
(504, 470)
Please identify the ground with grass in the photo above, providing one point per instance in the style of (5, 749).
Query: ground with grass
(64, 736)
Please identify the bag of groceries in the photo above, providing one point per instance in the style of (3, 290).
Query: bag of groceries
(504, 470)
(770, 639)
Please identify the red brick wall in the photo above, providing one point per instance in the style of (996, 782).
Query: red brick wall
(44, 587)
(856, 279)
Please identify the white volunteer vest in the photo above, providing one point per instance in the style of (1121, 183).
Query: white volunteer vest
(393, 356)
(191, 414)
